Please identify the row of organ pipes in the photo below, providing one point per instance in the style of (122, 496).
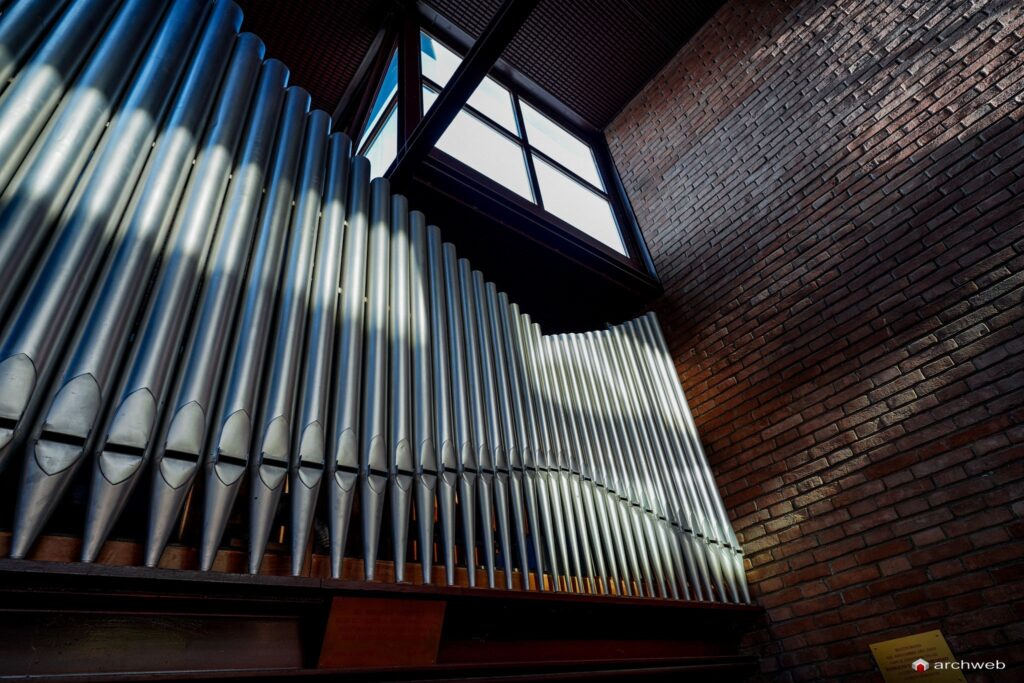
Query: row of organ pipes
(204, 295)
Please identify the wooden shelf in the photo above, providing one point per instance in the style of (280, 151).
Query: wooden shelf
(105, 622)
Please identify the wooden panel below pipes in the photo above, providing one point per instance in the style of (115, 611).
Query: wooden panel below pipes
(109, 621)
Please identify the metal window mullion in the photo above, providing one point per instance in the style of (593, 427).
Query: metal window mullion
(381, 122)
(531, 170)
(477, 114)
(407, 91)
(572, 176)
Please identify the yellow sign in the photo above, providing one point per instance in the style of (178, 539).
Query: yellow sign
(923, 657)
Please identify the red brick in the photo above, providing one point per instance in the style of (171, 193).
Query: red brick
(832, 196)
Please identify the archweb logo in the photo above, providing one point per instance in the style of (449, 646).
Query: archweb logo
(919, 665)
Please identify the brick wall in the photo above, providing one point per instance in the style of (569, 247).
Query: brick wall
(833, 194)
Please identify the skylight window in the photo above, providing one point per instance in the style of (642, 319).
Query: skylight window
(501, 136)
(498, 134)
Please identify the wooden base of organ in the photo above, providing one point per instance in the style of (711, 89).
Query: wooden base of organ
(112, 621)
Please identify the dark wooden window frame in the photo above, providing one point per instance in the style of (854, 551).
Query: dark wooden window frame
(542, 225)
(389, 106)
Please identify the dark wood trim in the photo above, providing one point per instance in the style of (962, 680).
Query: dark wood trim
(140, 580)
(628, 225)
(468, 185)
(410, 100)
(351, 112)
(120, 623)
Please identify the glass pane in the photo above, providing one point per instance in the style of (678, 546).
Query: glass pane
(577, 205)
(560, 145)
(388, 88)
(437, 62)
(429, 96)
(384, 148)
(490, 98)
(477, 145)
(494, 101)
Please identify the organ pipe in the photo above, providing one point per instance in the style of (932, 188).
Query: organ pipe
(211, 312)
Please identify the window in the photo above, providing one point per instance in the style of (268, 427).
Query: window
(510, 141)
(526, 158)
(379, 142)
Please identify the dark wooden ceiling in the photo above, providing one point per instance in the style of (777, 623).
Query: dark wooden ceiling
(592, 55)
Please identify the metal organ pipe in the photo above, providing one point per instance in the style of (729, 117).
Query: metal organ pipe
(179, 454)
(33, 200)
(448, 462)
(22, 24)
(42, 322)
(309, 456)
(343, 467)
(127, 436)
(400, 448)
(274, 436)
(424, 443)
(205, 290)
(229, 449)
(42, 82)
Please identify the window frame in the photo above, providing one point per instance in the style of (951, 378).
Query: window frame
(409, 101)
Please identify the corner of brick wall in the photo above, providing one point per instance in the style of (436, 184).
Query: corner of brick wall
(833, 194)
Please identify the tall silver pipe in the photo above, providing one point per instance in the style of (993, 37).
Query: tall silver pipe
(521, 455)
(638, 449)
(41, 324)
(593, 487)
(33, 201)
(559, 497)
(401, 468)
(228, 451)
(630, 479)
(698, 459)
(689, 511)
(621, 497)
(275, 433)
(703, 516)
(424, 452)
(535, 487)
(373, 462)
(596, 444)
(510, 461)
(591, 540)
(690, 557)
(130, 431)
(208, 307)
(492, 419)
(448, 447)
(309, 457)
(567, 475)
(478, 411)
(71, 410)
(179, 454)
(30, 101)
(548, 496)
(343, 456)
(20, 27)
(467, 462)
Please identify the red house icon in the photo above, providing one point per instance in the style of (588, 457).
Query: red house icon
(919, 665)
